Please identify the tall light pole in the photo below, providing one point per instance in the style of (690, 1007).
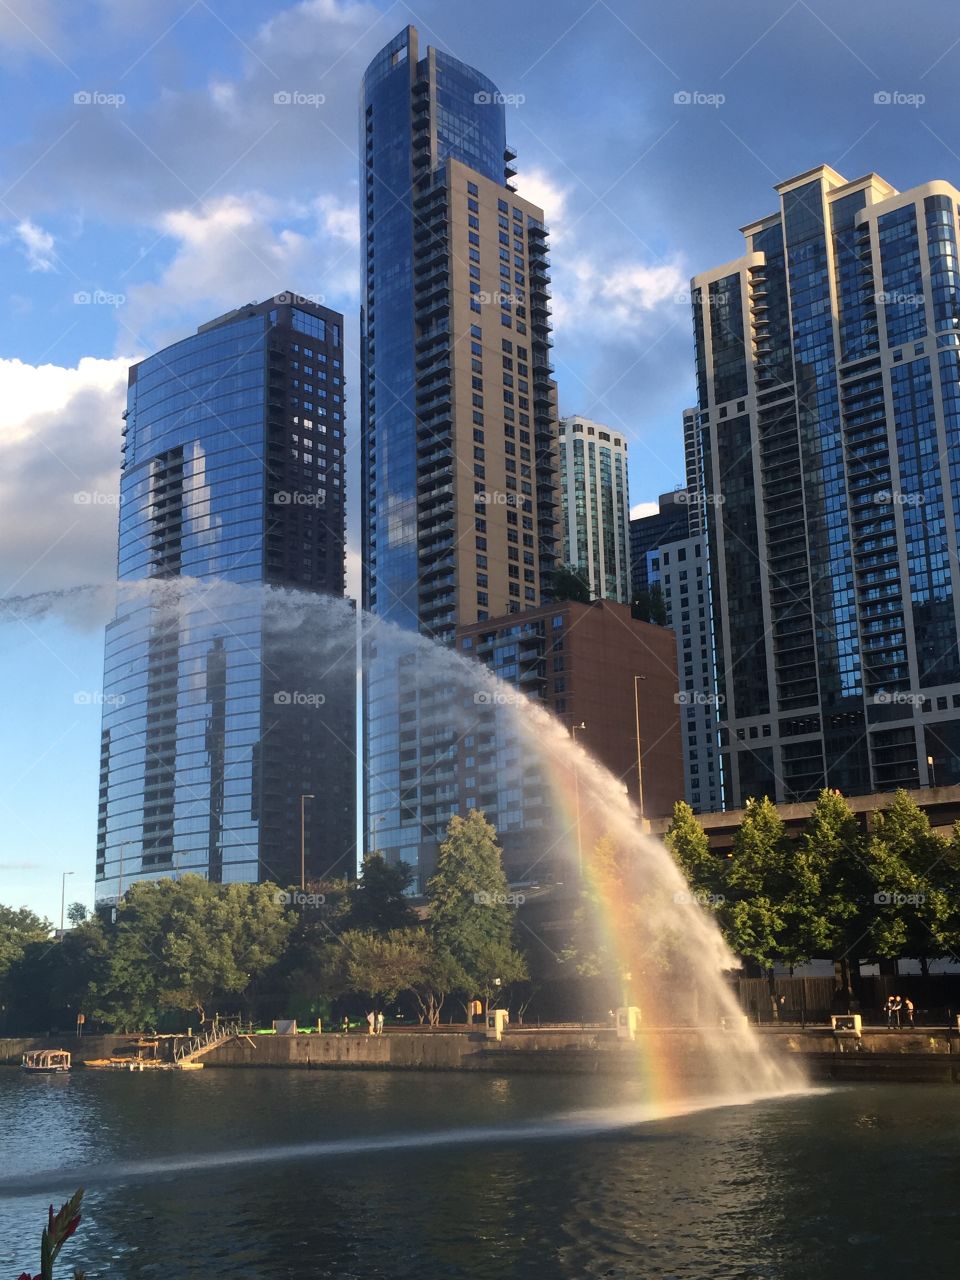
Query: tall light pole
(636, 708)
(303, 841)
(576, 786)
(63, 899)
(932, 771)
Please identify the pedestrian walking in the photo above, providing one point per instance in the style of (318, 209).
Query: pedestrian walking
(908, 1010)
(371, 1023)
(380, 1023)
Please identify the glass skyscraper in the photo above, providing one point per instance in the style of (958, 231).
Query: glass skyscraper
(460, 496)
(217, 720)
(596, 506)
(828, 366)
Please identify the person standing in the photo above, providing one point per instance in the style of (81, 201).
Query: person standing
(908, 1010)
(897, 1006)
(380, 1023)
(889, 1006)
(345, 1025)
(371, 1023)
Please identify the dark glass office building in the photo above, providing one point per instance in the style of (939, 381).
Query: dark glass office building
(828, 364)
(648, 534)
(460, 467)
(220, 712)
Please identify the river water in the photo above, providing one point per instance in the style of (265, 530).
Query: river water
(363, 1174)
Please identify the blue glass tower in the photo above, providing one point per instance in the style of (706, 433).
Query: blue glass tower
(460, 492)
(215, 721)
(828, 364)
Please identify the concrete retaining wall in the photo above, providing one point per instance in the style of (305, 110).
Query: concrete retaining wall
(11, 1051)
(922, 1055)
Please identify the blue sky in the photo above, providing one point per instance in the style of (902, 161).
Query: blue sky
(149, 181)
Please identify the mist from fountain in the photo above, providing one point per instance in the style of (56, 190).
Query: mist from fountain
(666, 948)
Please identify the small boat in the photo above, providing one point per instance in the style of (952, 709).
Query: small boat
(46, 1062)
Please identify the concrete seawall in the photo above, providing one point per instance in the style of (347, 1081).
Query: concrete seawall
(931, 1055)
(11, 1051)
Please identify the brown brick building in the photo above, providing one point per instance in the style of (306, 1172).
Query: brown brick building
(592, 665)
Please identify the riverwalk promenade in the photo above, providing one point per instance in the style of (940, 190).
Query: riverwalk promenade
(925, 1054)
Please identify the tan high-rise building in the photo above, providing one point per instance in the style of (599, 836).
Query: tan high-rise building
(460, 494)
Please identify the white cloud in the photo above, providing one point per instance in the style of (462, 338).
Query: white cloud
(539, 188)
(226, 253)
(601, 294)
(306, 28)
(60, 434)
(595, 285)
(28, 26)
(641, 509)
(239, 249)
(340, 219)
(37, 245)
(354, 571)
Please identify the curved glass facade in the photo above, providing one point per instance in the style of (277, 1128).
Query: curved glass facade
(457, 402)
(212, 726)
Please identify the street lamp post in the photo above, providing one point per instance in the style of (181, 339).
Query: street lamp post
(63, 899)
(636, 708)
(303, 841)
(932, 771)
(576, 787)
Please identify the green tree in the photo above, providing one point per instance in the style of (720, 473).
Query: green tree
(914, 873)
(649, 606)
(379, 899)
(770, 892)
(52, 982)
(307, 971)
(568, 583)
(181, 944)
(219, 938)
(77, 913)
(471, 915)
(687, 841)
(382, 965)
(18, 927)
(832, 853)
